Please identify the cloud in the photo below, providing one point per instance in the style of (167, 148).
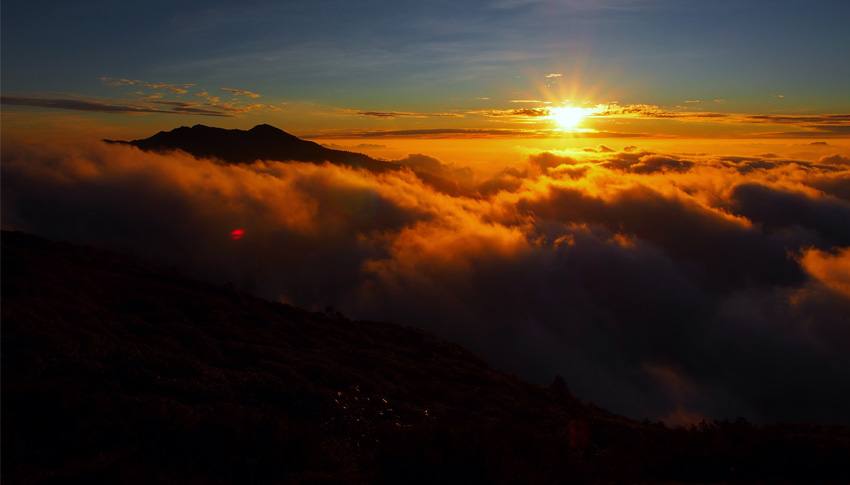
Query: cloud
(802, 120)
(808, 125)
(361, 146)
(403, 114)
(147, 103)
(104, 106)
(242, 92)
(835, 160)
(831, 269)
(657, 284)
(645, 163)
(516, 112)
(110, 81)
(781, 209)
(553, 75)
(465, 133)
(173, 88)
(388, 114)
(192, 108)
(600, 149)
(211, 106)
(430, 133)
(210, 99)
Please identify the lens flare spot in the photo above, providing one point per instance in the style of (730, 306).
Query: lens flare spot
(237, 234)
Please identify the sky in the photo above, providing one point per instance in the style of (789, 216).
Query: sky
(476, 68)
(650, 198)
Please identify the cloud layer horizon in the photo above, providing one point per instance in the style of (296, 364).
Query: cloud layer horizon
(657, 285)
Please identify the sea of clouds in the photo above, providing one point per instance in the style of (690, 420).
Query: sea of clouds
(657, 285)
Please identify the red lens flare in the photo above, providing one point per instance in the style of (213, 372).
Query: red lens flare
(237, 234)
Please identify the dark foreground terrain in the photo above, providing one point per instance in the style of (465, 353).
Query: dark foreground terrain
(117, 371)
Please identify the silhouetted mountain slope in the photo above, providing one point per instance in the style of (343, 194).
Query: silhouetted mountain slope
(265, 142)
(116, 371)
(262, 142)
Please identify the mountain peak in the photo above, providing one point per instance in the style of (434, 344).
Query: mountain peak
(262, 142)
(264, 127)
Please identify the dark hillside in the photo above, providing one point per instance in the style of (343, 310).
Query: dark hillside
(117, 371)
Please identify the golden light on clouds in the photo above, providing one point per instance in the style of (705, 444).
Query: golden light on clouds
(593, 225)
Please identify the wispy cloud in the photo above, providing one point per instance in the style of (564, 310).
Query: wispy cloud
(428, 133)
(105, 106)
(464, 133)
(211, 105)
(191, 108)
(516, 112)
(155, 105)
(242, 92)
(173, 88)
(402, 114)
(811, 124)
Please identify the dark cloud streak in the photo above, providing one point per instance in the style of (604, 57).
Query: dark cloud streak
(106, 107)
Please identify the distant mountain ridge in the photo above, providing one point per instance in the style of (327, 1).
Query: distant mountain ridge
(266, 142)
(262, 142)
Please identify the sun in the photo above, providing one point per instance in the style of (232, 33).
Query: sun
(568, 118)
